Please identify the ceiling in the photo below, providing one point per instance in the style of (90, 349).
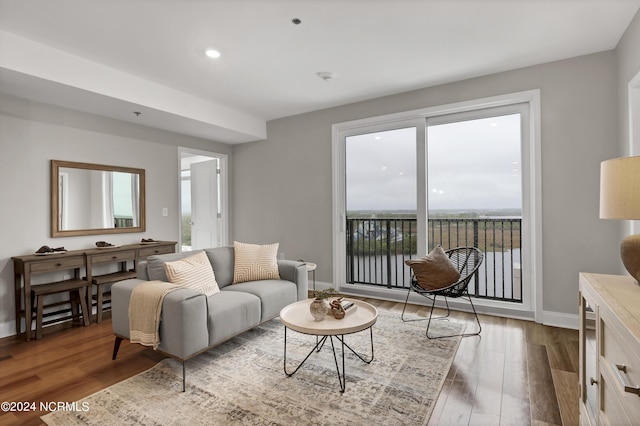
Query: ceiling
(117, 57)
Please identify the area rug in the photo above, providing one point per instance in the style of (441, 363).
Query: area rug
(242, 382)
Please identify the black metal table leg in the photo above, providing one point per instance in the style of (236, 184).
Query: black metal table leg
(342, 378)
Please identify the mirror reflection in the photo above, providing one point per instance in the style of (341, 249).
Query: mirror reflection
(95, 199)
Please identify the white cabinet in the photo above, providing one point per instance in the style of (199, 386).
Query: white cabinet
(609, 350)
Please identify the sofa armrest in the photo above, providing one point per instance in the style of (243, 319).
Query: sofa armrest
(183, 324)
(297, 273)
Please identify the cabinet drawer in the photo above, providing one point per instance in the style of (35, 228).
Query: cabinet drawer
(150, 251)
(611, 408)
(113, 257)
(59, 264)
(616, 351)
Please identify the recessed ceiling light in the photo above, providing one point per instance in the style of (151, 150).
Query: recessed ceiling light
(212, 53)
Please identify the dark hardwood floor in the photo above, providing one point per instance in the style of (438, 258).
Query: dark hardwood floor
(516, 373)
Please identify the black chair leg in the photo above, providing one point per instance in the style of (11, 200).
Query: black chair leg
(405, 307)
(184, 376)
(448, 311)
(431, 313)
(116, 347)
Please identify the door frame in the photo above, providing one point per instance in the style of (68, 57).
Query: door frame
(532, 197)
(224, 190)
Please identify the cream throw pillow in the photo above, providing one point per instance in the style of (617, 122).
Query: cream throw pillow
(435, 270)
(254, 262)
(193, 272)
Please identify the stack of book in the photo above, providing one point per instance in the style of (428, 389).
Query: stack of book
(348, 305)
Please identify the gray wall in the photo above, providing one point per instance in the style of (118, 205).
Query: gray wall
(283, 184)
(628, 51)
(32, 134)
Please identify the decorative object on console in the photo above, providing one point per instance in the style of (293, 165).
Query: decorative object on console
(620, 199)
(103, 244)
(49, 250)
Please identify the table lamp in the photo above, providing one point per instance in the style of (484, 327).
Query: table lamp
(620, 199)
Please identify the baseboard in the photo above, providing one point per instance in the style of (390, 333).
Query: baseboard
(7, 329)
(562, 320)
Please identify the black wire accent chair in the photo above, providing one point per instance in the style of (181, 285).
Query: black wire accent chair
(467, 260)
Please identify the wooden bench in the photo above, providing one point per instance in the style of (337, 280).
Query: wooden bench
(75, 287)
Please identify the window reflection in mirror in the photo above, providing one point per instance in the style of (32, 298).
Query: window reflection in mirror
(96, 199)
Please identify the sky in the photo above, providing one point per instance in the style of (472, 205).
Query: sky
(471, 165)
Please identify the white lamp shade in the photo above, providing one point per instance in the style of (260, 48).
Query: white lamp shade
(620, 188)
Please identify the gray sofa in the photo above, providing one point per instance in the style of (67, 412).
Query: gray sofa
(191, 323)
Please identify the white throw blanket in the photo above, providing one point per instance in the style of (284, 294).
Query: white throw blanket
(145, 308)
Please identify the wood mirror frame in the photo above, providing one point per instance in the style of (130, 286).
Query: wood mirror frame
(58, 199)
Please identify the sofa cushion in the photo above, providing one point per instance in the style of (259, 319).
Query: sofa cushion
(193, 272)
(255, 262)
(435, 270)
(221, 259)
(231, 312)
(273, 294)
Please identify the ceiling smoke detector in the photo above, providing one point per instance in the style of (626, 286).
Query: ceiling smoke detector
(326, 75)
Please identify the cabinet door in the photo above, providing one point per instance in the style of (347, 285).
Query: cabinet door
(589, 376)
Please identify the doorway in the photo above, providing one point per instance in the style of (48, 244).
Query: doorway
(203, 199)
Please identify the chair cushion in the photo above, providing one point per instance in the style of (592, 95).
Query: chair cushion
(193, 272)
(435, 270)
(254, 262)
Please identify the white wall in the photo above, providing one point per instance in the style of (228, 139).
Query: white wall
(289, 175)
(32, 134)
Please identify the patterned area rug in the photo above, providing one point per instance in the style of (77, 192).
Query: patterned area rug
(242, 382)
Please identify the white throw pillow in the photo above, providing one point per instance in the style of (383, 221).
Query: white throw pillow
(193, 272)
(255, 262)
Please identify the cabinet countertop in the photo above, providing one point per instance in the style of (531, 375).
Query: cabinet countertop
(620, 293)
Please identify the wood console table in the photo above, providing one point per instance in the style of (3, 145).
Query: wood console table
(76, 260)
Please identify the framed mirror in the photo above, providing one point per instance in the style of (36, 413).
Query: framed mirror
(92, 199)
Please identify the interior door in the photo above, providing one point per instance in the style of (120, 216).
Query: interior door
(205, 207)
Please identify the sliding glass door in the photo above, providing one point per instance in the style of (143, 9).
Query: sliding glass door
(449, 178)
(381, 205)
(474, 194)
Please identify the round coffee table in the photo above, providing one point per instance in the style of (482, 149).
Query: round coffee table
(297, 317)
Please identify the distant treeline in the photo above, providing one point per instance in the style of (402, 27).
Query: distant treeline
(434, 214)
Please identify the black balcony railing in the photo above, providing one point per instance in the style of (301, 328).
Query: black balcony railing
(377, 249)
